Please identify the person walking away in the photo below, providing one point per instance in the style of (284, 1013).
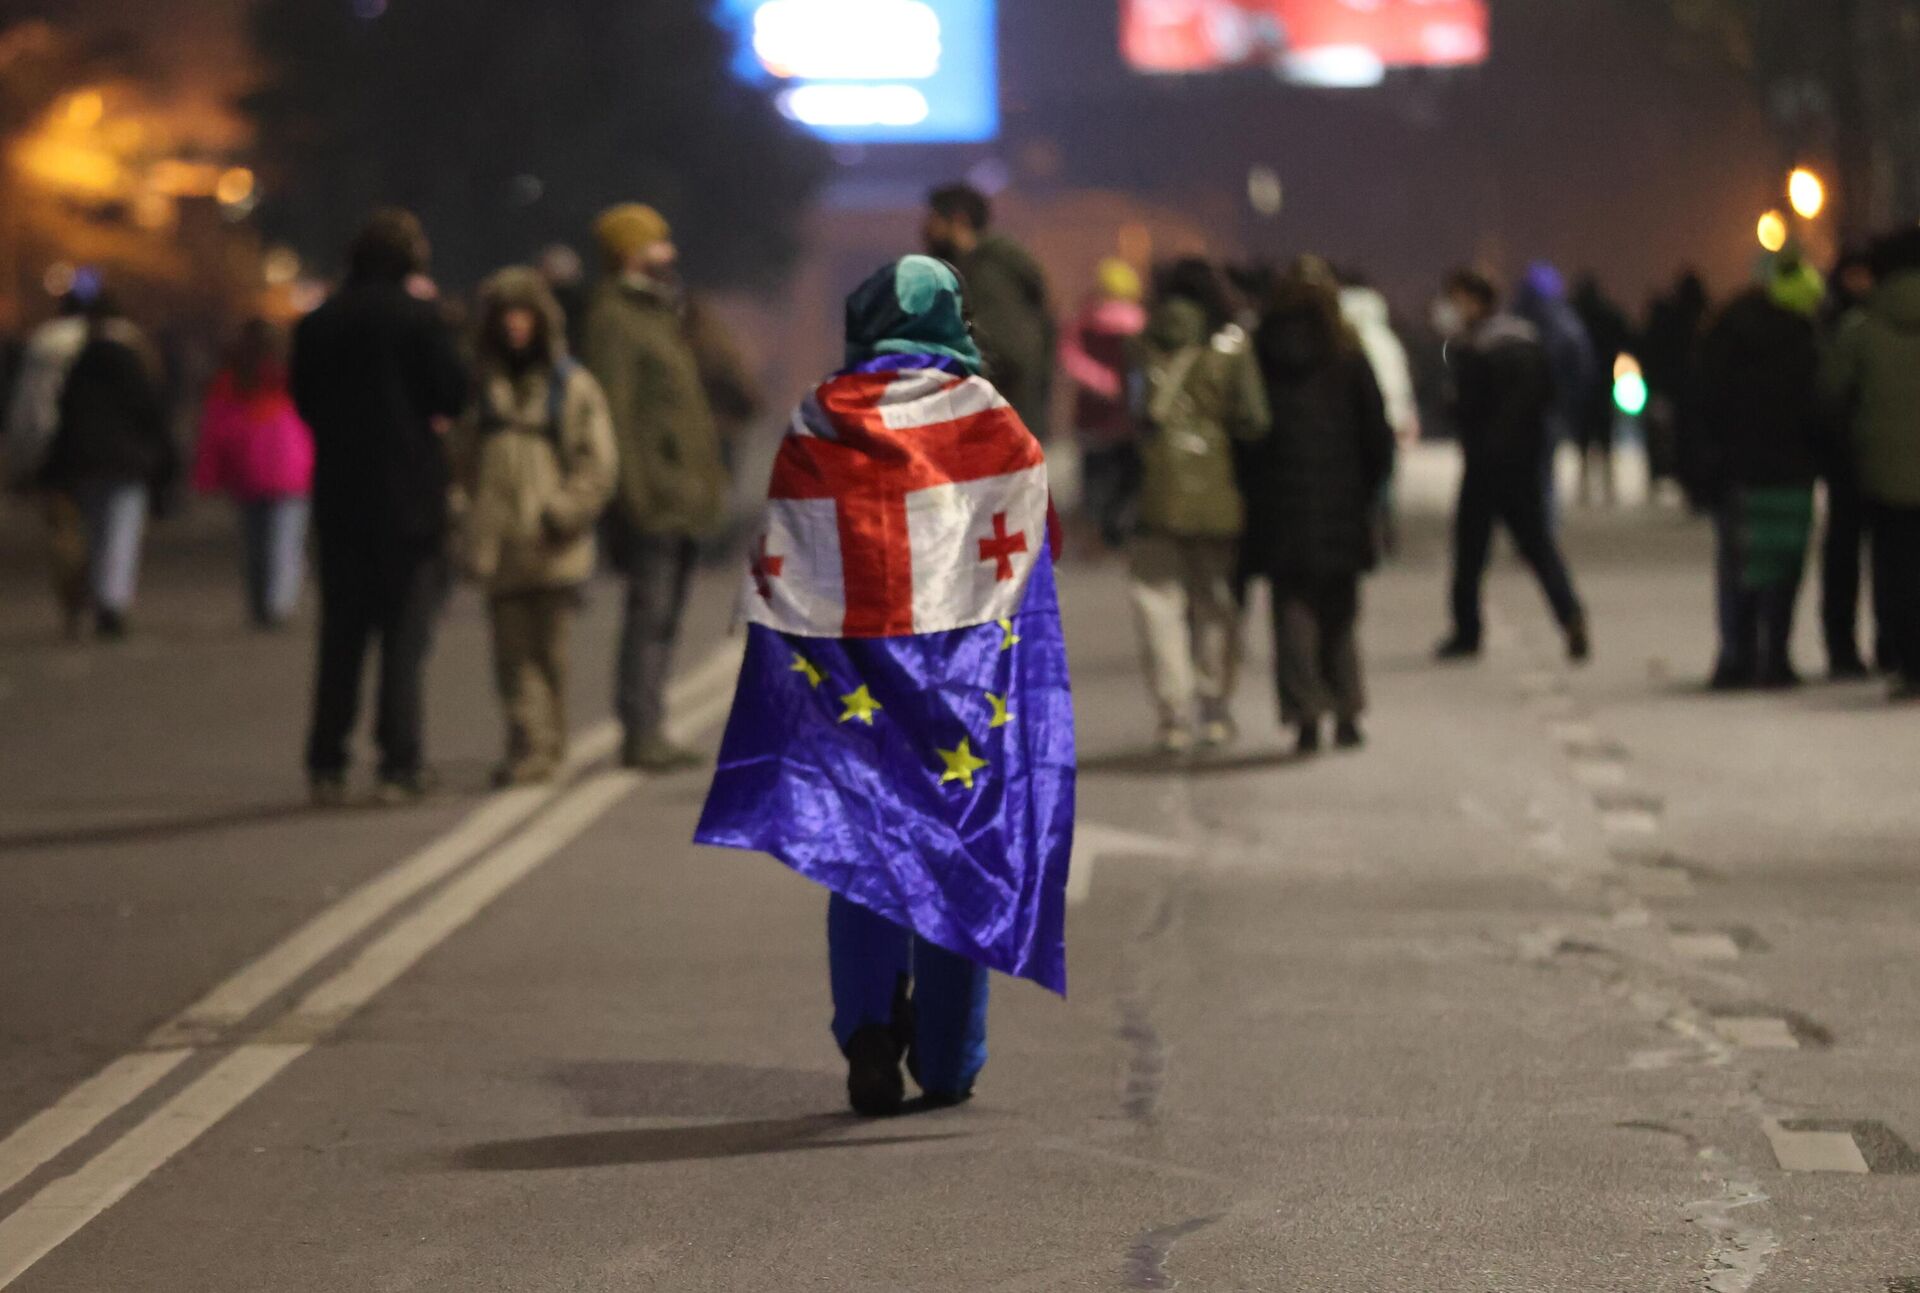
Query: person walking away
(1007, 290)
(1311, 489)
(1759, 433)
(112, 457)
(1503, 406)
(254, 448)
(1846, 533)
(1365, 311)
(1542, 302)
(1093, 354)
(378, 377)
(673, 480)
(1597, 419)
(534, 465)
(1198, 395)
(33, 416)
(1871, 378)
(908, 743)
(1666, 354)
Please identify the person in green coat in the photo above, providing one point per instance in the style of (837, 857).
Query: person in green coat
(673, 483)
(1197, 393)
(1871, 377)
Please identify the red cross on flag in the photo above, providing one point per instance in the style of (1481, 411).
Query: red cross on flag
(902, 502)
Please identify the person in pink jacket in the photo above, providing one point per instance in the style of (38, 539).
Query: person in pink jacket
(255, 448)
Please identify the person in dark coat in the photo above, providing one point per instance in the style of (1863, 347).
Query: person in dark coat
(1610, 336)
(1759, 432)
(1007, 290)
(112, 455)
(1503, 403)
(1841, 569)
(1674, 324)
(1312, 489)
(377, 375)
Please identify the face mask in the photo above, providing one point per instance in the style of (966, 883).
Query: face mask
(1447, 319)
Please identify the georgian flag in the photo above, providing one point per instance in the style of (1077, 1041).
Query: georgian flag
(903, 728)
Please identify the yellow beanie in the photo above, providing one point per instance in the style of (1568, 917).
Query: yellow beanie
(1119, 281)
(629, 229)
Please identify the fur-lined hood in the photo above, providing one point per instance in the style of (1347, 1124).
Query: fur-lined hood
(519, 287)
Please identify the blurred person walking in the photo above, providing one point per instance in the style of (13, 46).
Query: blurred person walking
(254, 448)
(1093, 354)
(1667, 348)
(1007, 292)
(673, 482)
(1366, 312)
(1503, 406)
(1542, 302)
(378, 377)
(1759, 433)
(1846, 534)
(112, 456)
(1311, 489)
(534, 465)
(32, 419)
(1871, 377)
(1198, 395)
(1598, 418)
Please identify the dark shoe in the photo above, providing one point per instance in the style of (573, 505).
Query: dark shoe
(1458, 648)
(1579, 646)
(109, 626)
(327, 789)
(1308, 743)
(1348, 735)
(875, 1087)
(1904, 691)
(1848, 669)
(659, 755)
(1781, 679)
(1728, 677)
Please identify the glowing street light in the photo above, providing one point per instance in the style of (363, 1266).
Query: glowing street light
(1773, 231)
(1807, 194)
(1629, 386)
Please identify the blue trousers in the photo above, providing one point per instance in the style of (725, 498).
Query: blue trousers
(275, 531)
(874, 965)
(116, 520)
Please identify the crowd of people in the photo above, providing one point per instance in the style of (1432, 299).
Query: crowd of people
(1234, 425)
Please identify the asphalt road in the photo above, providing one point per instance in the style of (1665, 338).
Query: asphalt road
(1571, 981)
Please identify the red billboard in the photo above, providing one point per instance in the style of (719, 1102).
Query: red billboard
(1326, 41)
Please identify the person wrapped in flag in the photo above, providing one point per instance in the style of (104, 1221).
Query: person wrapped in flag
(903, 729)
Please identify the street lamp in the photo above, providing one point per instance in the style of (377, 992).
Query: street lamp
(1773, 231)
(1807, 193)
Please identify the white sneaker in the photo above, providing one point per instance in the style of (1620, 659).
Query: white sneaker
(1176, 740)
(1218, 733)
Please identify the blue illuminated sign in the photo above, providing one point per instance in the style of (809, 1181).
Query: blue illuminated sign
(875, 71)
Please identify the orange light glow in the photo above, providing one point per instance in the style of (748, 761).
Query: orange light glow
(85, 109)
(60, 164)
(234, 186)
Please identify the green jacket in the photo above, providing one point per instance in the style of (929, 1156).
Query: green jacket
(1871, 375)
(1013, 320)
(1196, 397)
(673, 480)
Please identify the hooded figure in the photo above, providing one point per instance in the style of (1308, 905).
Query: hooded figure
(903, 729)
(534, 465)
(1757, 455)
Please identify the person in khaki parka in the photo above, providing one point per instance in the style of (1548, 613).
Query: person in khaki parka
(1198, 393)
(673, 479)
(534, 464)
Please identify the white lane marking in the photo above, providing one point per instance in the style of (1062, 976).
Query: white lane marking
(76, 1114)
(1757, 1033)
(1815, 1151)
(65, 1206)
(1092, 841)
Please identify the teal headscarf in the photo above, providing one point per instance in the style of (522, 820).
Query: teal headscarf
(911, 307)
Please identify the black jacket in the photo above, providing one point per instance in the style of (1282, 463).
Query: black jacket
(371, 371)
(1312, 485)
(113, 421)
(1503, 396)
(1758, 391)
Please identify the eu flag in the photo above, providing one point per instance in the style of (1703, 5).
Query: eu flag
(903, 728)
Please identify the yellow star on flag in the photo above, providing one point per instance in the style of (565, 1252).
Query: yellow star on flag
(1012, 639)
(861, 707)
(802, 665)
(961, 764)
(1001, 714)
